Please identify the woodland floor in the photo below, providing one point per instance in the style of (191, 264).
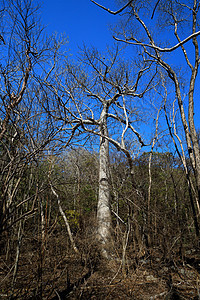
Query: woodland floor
(55, 272)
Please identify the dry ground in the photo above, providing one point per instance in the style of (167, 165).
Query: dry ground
(54, 271)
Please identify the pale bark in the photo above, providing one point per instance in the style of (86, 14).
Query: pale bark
(189, 181)
(65, 219)
(187, 118)
(103, 209)
(42, 223)
(60, 208)
(193, 132)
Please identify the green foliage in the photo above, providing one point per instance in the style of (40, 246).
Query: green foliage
(73, 218)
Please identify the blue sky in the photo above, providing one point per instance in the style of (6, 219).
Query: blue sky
(84, 22)
(81, 20)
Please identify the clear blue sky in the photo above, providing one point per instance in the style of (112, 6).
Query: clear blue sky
(84, 22)
(81, 21)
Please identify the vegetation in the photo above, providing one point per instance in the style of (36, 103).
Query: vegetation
(91, 206)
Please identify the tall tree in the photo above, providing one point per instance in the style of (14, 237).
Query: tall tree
(97, 99)
(156, 21)
(27, 56)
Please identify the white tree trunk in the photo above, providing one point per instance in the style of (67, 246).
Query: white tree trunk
(103, 209)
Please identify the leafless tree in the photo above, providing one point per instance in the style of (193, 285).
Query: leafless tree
(148, 26)
(27, 57)
(97, 98)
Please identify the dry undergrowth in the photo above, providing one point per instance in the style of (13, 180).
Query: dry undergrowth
(54, 271)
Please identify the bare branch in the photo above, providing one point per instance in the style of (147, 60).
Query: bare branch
(2, 39)
(193, 35)
(129, 126)
(110, 11)
(155, 9)
(182, 47)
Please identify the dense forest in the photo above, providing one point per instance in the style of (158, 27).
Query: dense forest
(100, 156)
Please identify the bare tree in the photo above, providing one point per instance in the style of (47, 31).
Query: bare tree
(96, 98)
(25, 130)
(180, 19)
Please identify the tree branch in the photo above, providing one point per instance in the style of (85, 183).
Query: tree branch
(110, 11)
(159, 48)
